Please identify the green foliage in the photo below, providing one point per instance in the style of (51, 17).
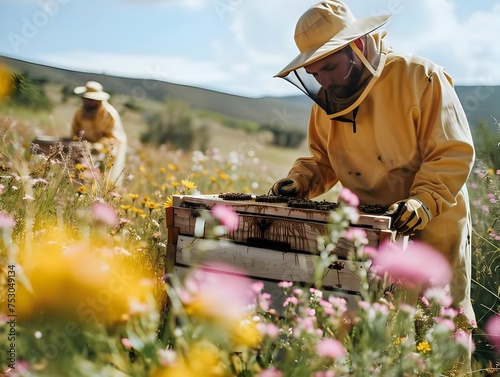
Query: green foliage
(486, 143)
(173, 126)
(29, 92)
(38, 192)
(66, 92)
(484, 193)
(132, 105)
(230, 122)
(288, 138)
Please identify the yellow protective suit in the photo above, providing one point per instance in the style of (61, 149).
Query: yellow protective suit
(106, 128)
(411, 139)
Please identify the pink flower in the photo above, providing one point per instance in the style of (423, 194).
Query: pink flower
(349, 197)
(291, 301)
(325, 373)
(166, 357)
(465, 339)
(492, 330)
(269, 329)
(272, 372)
(419, 266)
(6, 222)
(127, 343)
(447, 323)
(217, 290)
(285, 284)
(105, 214)
(258, 286)
(330, 348)
(227, 216)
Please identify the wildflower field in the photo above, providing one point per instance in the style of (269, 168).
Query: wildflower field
(84, 289)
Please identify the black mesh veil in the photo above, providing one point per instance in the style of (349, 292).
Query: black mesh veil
(326, 99)
(311, 87)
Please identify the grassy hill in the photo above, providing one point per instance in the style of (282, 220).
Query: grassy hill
(261, 110)
(479, 102)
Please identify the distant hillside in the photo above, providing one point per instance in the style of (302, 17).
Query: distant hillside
(479, 102)
(286, 111)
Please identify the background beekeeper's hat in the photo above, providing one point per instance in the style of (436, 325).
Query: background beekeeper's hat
(92, 90)
(326, 28)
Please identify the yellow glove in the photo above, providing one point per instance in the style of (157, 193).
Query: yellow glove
(288, 187)
(409, 215)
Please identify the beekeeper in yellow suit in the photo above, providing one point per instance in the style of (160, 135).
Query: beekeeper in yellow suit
(98, 122)
(389, 127)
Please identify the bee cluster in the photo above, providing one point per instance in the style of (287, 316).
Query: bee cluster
(235, 196)
(312, 204)
(323, 205)
(373, 209)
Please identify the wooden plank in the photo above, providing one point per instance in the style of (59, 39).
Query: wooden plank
(265, 264)
(277, 295)
(274, 210)
(273, 233)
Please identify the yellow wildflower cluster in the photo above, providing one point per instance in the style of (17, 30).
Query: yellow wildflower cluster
(202, 359)
(423, 347)
(80, 282)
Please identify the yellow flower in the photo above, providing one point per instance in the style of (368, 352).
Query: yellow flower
(172, 167)
(151, 205)
(126, 207)
(142, 169)
(80, 167)
(399, 339)
(5, 82)
(188, 184)
(175, 184)
(491, 172)
(82, 189)
(202, 359)
(423, 347)
(133, 196)
(245, 333)
(213, 178)
(138, 211)
(163, 170)
(223, 176)
(102, 285)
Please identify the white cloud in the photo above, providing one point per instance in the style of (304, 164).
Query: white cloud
(252, 40)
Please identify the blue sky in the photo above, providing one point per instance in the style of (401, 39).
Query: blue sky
(234, 46)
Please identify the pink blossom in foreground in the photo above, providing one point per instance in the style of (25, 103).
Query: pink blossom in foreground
(272, 372)
(6, 222)
(217, 290)
(126, 343)
(105, 214)
(285, 284)
(419, 265)
(492, 330)
(226, 215)
(349, 197)
(465, 339)
(330, 348)
(325, 373)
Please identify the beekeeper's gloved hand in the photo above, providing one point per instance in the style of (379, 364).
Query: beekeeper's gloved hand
(409, 215)
(293, 186)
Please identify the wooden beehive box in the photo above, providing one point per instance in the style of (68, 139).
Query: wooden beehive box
(273, 242)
